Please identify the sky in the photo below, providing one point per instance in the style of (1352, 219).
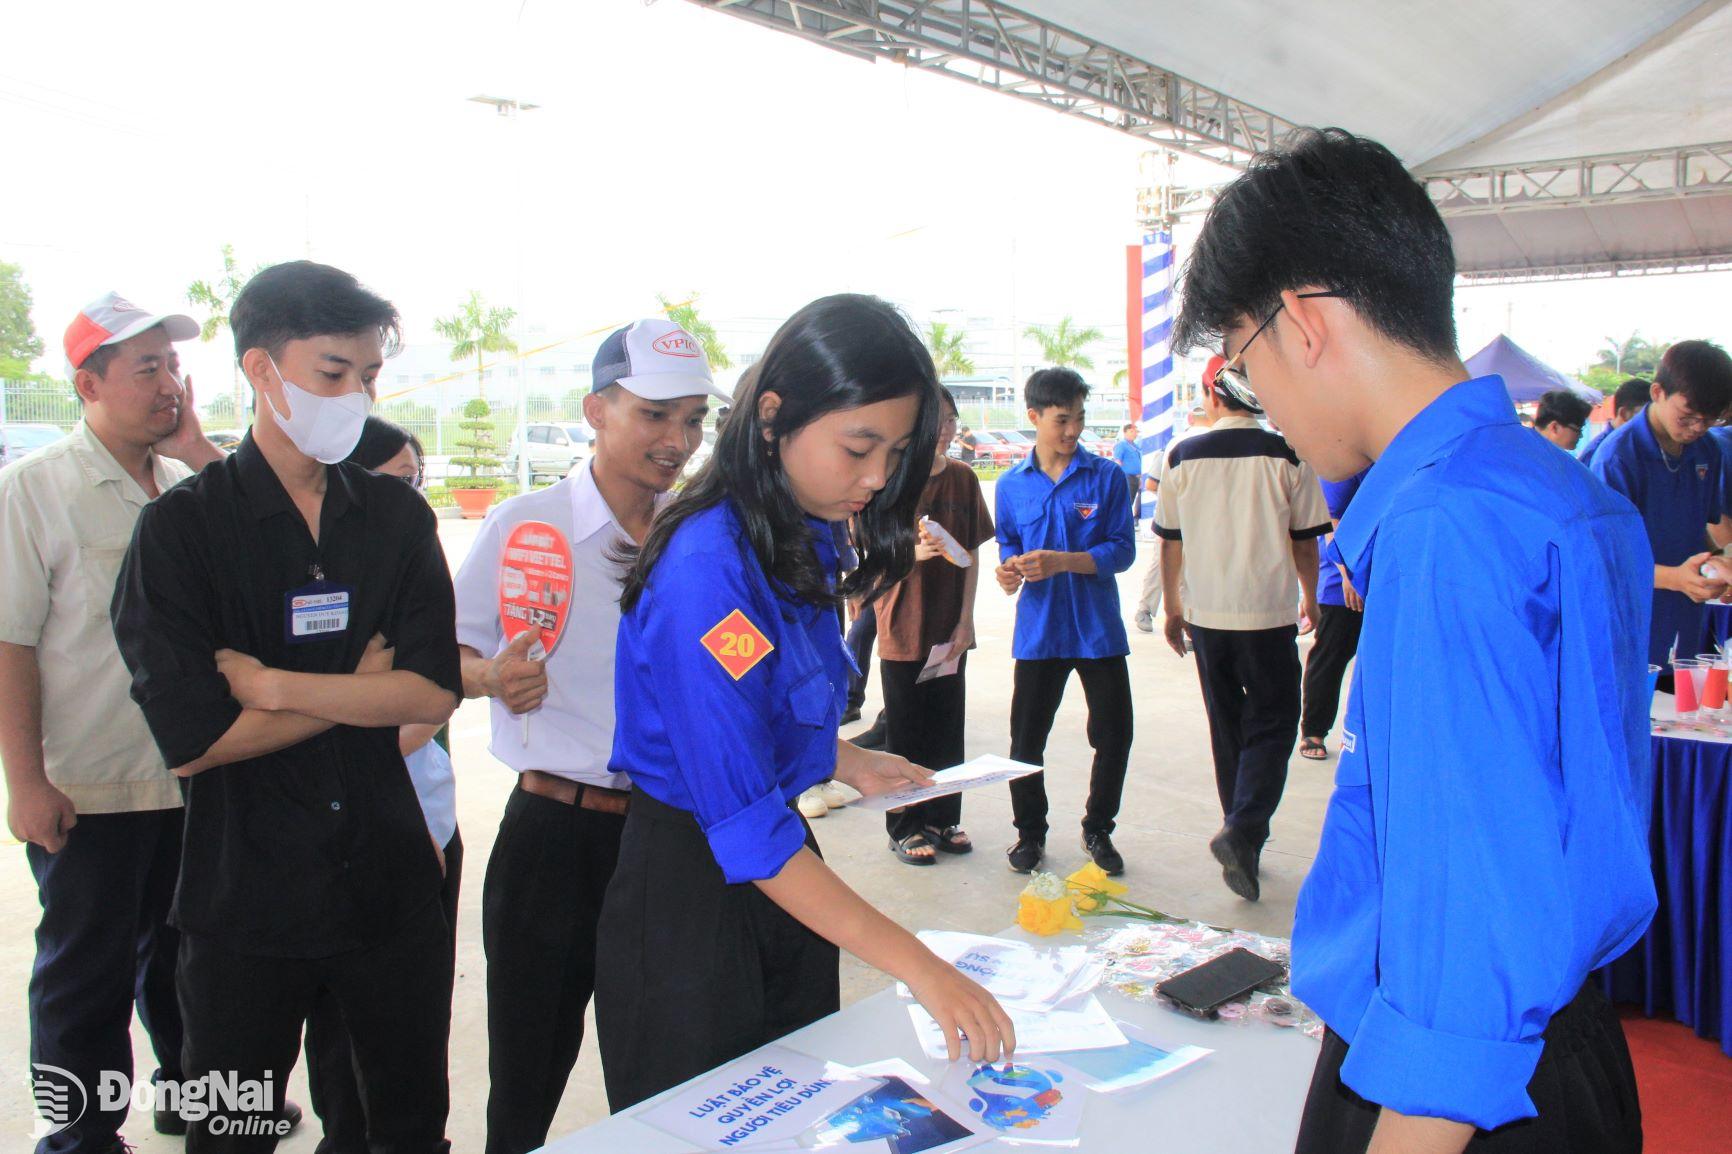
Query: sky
(676, 150)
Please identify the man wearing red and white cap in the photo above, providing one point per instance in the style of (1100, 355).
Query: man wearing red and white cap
(559, 838)
(86, 788)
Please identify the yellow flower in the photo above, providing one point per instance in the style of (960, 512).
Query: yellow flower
(1092, 879)
(1087, 902)
(1045, 917)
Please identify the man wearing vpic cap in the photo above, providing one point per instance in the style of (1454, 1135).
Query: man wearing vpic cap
(86, 789)
(553, 719)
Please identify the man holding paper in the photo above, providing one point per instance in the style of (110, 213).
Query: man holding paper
(925, 630)
(553, 719)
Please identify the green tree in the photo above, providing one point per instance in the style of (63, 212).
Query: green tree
(1062, 345)
(216, 297)
(1631, 357)
(476, 329)
(19, 344)
(945, 345)
(685, 315)
(480, 456)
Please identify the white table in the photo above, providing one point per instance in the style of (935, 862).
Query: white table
(1246, 1096)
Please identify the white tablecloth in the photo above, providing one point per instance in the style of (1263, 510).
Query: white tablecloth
(1246, 1096)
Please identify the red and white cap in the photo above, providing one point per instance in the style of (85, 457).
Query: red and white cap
(657, 360)
(111, 318)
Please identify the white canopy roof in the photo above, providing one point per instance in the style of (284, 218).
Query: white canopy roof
(1561, 137)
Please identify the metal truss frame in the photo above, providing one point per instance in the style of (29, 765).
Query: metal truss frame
(1655, 266)
(996, 46)
(1585, 181)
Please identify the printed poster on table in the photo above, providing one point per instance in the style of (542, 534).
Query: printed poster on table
(767, 1098)
(901, 1114)
(1037, 1102)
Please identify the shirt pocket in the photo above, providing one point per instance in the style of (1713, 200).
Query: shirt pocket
(98, 569)
(810, 700)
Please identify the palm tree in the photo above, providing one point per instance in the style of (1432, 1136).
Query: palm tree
(478, 328)
(945, 345)
(216, 298)
(685, 315)
(1616, 350)
(1063, 344)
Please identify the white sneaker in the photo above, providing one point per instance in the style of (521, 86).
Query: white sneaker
(812, 803)
(833, 794)
(1145, 621)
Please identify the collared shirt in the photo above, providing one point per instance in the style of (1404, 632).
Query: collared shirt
(1087, 510)
(66, 516)
(730, 690)
(1486, 845)
(571, 734)
(1129, 457)
(321, 847)
(1238, 497)
(1337, 495)
(436, 789)
(1678, 498)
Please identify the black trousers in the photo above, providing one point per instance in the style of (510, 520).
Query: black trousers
(861, 637)
(1038, 689)
(333, 1077)
(103, 946)
(924, 723)
(693, 972)
(540, 906)
(1333, 648)
(1250, 681)
(244, 1015)
(1584, 1089)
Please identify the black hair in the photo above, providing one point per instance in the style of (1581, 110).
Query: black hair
(1054, 388)
(1632, 394)
(839, 352)
(949, 399)
(300, 299)
(101, 357)
(380, 441)
(1562, 407)
(1336, 211)
(1700, 370)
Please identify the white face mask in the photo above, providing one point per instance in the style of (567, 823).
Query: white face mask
(326, 429)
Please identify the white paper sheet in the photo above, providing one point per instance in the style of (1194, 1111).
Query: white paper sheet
(1037, 1101)
(1142, 1060)
(767, 1099)
(902, 1114)
(939, 663)
(1019, 975)
(986, 770)
(1082, 1025)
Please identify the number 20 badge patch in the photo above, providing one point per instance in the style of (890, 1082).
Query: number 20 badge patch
(737, 644)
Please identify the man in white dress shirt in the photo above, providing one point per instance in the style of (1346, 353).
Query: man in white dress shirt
(559, 838)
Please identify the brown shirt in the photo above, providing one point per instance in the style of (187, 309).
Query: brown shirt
(924, 609)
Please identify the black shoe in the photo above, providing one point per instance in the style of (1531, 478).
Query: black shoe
(853, 715)
(171, 1123)
(1099, 846)
(1025, 854)
(1238, 864)
(873, 738)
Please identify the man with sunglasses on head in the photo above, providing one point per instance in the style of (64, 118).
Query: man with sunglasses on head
(1486, 845)
(1239, 519)
(1676, 476)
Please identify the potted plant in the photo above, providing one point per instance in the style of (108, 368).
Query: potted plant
(475, 488)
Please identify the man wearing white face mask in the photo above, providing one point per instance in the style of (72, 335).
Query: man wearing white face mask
(282, 616)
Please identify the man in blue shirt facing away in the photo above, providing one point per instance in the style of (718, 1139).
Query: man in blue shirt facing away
(1064, 534)
(1627, 404)
(1486, 845)
(1130, 459)
(1676, 478)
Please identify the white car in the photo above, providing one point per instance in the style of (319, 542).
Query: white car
(19, 441)
(555, 448)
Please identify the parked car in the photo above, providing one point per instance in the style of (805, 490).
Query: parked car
(555, 448)
(227, 441)
(19, 441)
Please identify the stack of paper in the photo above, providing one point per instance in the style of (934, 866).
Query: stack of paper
(985, 770)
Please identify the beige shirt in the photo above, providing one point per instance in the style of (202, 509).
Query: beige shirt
(1238, 497)
(66, 518)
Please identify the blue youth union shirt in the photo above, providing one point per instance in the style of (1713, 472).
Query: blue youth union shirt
(1088, 510)
(1338, 495)
(1678, 499)
(1486, 845)
(729, 692)
(1129, 457)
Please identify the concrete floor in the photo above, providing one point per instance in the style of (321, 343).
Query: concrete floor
(1168, 815)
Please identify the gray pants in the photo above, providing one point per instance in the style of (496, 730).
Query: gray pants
(1150, 601)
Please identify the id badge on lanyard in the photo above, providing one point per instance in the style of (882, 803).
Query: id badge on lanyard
(316, 611)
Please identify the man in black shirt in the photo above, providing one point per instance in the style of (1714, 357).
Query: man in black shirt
(282, 615)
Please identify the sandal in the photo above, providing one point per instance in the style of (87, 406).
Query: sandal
(904, 850)
(1313, 749)
(952, 839)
